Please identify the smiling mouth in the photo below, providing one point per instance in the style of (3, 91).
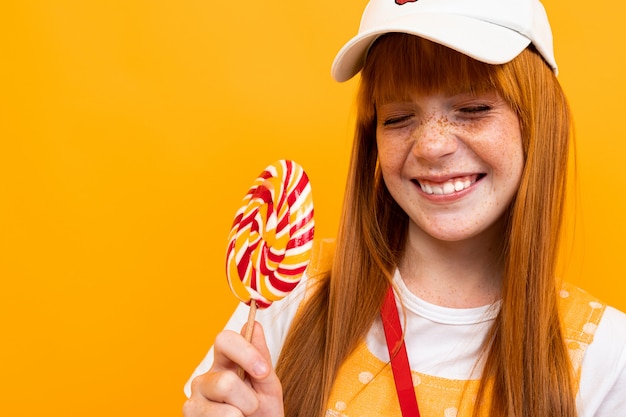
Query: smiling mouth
(453, 185)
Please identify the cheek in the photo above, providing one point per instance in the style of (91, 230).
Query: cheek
(517, 163)
(388, 155)
(392, 150)
(506, 152)
(514, 154)
(510, 176)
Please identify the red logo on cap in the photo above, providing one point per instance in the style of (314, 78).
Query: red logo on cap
(401, 2)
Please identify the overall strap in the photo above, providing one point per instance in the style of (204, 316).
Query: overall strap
(399, 359)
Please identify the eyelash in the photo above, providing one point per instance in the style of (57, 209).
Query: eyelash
(476, 109)
(479, 108)
(395, 120)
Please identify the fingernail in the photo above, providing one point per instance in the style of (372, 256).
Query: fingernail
(259, 368)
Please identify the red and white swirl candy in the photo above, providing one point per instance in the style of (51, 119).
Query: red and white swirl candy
(272, 235)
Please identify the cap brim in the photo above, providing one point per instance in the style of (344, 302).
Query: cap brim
(481, 40)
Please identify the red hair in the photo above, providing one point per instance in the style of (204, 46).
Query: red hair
(526, 360)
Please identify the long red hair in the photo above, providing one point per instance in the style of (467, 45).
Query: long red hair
(526, 360)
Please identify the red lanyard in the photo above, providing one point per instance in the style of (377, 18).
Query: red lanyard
(399, 359)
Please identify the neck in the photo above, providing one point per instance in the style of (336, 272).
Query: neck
(461, 274)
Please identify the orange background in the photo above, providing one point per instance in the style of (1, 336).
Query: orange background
(130, 131)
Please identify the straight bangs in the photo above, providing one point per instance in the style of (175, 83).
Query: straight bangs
(400, 65)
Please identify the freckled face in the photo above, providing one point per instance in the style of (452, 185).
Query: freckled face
(453, 163)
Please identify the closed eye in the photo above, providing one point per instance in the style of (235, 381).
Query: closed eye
(475, 109)
(396, 120)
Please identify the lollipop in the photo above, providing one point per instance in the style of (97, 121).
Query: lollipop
(271, 238)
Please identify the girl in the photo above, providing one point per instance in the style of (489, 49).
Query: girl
(452, 218)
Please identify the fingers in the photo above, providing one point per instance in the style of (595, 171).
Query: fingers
(232, 350)
(263, 378)
(258, 341)
(197, 406)
(220, 394)
(222, 384)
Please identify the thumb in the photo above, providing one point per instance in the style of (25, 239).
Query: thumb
(264, 379)
(262, 367)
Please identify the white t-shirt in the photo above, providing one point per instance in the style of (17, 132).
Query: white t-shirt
(459, 334)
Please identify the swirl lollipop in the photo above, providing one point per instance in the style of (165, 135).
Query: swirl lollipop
(270, 242)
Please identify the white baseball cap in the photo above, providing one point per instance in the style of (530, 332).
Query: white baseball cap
(491, 31)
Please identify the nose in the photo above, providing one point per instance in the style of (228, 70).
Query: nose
(434, 138)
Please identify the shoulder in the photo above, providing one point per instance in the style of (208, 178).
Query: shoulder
(581, 313)
(602, 389)
(586, 317)
(609, 342)
(588, 320)
(597, 333)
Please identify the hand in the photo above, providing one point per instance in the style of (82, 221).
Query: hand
(221, 393)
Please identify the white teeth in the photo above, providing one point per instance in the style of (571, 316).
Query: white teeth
(446, 188)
